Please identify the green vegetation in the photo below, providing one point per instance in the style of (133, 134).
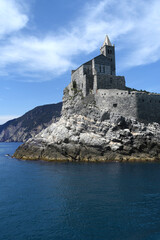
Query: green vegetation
(133, 89)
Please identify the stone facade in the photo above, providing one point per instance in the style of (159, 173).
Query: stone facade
(117, 102)
(97, 77)
(98, 73)
(148, 107)
(109, 51)
(142, 106)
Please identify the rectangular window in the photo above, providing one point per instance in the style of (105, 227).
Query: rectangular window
(115, 105)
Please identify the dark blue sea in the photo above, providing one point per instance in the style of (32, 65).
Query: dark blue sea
(78, 201)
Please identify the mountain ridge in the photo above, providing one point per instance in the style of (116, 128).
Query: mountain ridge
(31, 123)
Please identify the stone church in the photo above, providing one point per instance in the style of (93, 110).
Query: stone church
(99, 72)
(97, 78)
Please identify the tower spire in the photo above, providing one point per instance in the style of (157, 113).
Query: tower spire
(107, 41)
(108, 51)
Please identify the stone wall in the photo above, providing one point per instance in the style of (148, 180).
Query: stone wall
(87, 68)
(97, 72)
(89, 84)
(102, 69)
(78, 76)
(110, 82)
(148, 107)
(141, 106)
(116, 101)
(84, 79)
(109, 52)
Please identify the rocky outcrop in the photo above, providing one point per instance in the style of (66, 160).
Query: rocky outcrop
(102, 119)
(85, 133)
(30, 124)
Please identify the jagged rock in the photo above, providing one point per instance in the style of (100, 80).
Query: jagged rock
(80, 138)
(115, 146)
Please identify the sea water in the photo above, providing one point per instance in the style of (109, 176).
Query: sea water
(82, 201)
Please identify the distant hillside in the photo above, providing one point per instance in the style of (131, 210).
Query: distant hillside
(31, 123)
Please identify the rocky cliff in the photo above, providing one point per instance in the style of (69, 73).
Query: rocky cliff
(30, 124)
(85, 133)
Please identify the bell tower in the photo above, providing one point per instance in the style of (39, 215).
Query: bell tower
(108, 51)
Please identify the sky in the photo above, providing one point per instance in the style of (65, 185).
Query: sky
(41, 41)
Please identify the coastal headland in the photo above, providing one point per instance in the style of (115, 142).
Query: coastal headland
(101, 119)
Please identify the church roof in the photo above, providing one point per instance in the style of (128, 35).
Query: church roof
(107, 41)
(99, 57)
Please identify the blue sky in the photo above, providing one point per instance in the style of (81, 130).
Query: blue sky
(41, 41)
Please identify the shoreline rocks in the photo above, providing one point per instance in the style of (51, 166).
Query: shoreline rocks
(79, 138)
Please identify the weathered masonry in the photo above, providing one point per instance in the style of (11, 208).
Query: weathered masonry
(98, 77)
(138, 105)
(99, 73)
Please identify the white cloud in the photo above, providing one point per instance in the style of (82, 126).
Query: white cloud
(11, 17)
(133, 25)
(5, 118)
(143, 41)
